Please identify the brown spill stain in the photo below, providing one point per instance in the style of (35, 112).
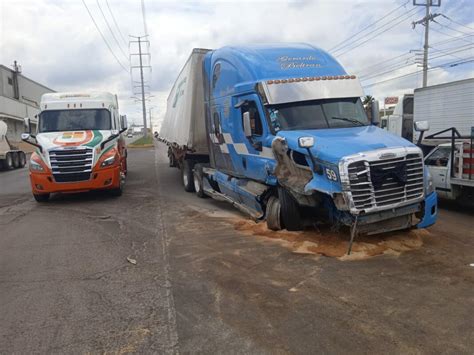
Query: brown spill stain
(335, 244)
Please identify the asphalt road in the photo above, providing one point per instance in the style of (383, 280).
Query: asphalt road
(202, 283)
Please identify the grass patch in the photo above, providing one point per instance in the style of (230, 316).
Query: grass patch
(143, 141)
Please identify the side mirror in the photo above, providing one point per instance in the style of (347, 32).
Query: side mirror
(26, 122)
(306, 142)
(123, 123)
(422, 126)
(25, 136)
(374, 108)
(246, 121)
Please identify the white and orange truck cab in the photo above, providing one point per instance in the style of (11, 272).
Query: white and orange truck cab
(79, 145)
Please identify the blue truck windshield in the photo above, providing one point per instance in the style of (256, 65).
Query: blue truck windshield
(74, 120)
(318, 114)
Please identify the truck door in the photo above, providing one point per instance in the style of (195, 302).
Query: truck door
(253, 153)
(437, 163)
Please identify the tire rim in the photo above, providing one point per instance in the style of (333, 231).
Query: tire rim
(197, 185)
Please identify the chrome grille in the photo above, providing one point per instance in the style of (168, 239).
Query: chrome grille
(399, 180)
(69, 165)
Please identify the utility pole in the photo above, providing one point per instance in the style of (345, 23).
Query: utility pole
(425, 21)
(142, 85)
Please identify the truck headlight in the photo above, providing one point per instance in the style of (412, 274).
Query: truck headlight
(429, 187)
(108, 162)
(34, 166)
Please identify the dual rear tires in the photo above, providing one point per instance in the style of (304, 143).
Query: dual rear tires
(192, 177)
(283, 211)
(13, 160)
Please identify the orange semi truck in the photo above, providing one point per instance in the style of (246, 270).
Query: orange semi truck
(79, 145)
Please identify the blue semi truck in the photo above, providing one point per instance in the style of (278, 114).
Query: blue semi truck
(280, 132)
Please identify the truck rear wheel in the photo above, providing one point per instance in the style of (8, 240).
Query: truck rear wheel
(16, 160)
(22, 159)
(198, 177)
(8, 163)
(187, 175)
(41, 197)
(273, 214)
(290, 211)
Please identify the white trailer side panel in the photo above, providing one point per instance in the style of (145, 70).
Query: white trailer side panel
(184, 123)
(446, 105)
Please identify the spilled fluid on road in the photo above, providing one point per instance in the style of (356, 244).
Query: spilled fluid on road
(335, 244)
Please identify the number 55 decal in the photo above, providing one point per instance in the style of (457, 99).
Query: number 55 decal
(331, 174)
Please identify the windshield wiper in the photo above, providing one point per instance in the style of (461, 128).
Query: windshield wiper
(352, 120)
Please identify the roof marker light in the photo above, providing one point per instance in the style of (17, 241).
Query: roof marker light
(269, 82)
(324, 78)
(347, 77)
(317, 78)
(277, 81)
(311, 78)
(291, 80)
(353, 76)
(283, 81)
(298, 79)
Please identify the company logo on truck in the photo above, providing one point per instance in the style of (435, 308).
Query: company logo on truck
(287, 62)
(77, 138)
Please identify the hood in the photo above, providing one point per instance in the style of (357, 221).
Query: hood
(333, 144)
(52, 140)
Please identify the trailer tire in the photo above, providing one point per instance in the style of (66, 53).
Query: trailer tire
(16, 160)
(273, 214)
(290, 211)
(22, 159)
(187, 176)
(41, 197)
(198, 177)
(8, 162)
(172, 160)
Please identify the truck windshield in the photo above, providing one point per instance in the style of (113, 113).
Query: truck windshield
(318, 114)
(74, 120)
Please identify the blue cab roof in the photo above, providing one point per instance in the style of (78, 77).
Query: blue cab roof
(254, 63)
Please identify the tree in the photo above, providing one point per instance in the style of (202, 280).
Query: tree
(367, 99)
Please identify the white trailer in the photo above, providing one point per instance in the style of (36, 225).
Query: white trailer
(439, 106)
(10, 157)
(184, 128)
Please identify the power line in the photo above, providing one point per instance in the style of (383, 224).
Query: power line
(452, 36)
(450, 28)
(103, 38)
(399, 66)
(144, 17)
(450, 64)
(454, 39)
(115, 22)
(371, 67)
(111, 31)
(409, 13)
(368, 26)
(459, 24)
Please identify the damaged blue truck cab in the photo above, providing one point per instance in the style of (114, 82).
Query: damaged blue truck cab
(289, 141)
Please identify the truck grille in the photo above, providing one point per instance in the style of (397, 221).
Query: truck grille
(69, 165)
(386, 182)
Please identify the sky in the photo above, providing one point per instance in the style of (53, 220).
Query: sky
(58, 45)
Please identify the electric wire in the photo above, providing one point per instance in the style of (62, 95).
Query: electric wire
(111, 31)
(115, 22)
(368, 26)
(409, 13)
(103, 38)
(450, 64)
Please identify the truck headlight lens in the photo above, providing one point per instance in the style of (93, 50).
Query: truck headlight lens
(34, 166)
(108, 162)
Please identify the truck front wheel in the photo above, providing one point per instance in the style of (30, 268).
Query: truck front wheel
(273, 214)
(290, 211)
(187, 175)
(41, 197)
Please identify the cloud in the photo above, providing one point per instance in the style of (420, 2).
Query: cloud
(58, 45)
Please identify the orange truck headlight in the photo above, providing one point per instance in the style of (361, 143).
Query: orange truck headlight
(109, 158)
(36, 163)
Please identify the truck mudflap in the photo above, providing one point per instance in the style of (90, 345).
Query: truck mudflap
(430, 211)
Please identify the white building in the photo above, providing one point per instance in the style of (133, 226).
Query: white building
(19, 98)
